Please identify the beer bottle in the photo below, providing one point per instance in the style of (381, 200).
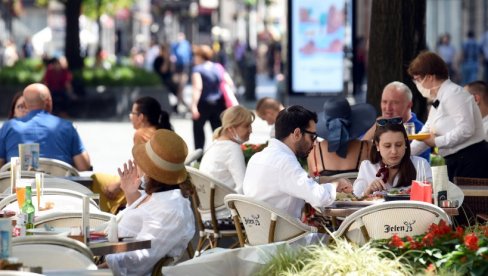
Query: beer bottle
(28, 210)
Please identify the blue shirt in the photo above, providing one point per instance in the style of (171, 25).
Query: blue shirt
(57, 138)
(182, 51)
(418, 126)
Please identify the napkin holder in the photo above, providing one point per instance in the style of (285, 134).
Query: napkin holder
(440, 182)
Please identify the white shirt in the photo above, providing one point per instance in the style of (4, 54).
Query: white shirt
(166, 219)
(224, 161)
(275, 176)
(456, 122)
(367, 173)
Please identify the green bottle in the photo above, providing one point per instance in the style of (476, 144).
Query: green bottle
(28, 210)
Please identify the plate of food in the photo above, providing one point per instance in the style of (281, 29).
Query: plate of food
(349, 199)
(419, 136)
(398, 194)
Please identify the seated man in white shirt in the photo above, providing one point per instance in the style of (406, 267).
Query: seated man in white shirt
(275, 176)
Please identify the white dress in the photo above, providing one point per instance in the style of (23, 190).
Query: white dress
(367, 173)
(166, 219)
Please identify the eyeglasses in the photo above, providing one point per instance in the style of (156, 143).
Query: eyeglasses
(313, 134)
(391, 121)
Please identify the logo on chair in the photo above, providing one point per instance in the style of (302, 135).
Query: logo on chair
(407, 227)
(253, 220)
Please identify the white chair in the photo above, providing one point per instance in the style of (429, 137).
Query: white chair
(264, 223)
(5, 179)
(50, 166)
(349, 175)
(208, 201)
(52, 252)
(51, 182)
(193, 156)
(63, 200)
(98, 221)
(381, 221)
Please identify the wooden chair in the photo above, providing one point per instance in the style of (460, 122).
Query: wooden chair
(381, 221)
(52, 252)
(264, 223)
(50, 166)
(208, 200)
(475, 207)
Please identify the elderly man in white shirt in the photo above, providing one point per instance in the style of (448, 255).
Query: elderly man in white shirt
(275, 176)
(454, 120)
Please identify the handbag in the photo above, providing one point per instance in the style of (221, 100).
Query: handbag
(226, 89)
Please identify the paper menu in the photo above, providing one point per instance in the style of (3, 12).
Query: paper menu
(29, 156)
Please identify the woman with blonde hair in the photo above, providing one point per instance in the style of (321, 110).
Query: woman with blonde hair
(224, 159)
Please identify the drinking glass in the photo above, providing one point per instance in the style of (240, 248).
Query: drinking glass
(39, 188)
(409, 128)
(20, 191)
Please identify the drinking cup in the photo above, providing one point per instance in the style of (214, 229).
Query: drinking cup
(409, 128)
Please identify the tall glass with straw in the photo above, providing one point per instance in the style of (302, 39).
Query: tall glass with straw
(39, 188)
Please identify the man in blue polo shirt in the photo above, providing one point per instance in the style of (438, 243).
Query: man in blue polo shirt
(396, 101)
(57, 138)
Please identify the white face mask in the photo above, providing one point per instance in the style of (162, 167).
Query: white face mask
(143, 182)
(424, 91)
(237, 138)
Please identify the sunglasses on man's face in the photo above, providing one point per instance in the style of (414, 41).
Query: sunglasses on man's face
(391, 121)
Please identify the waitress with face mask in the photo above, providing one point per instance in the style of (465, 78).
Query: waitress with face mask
(224, 159)
(454, 120)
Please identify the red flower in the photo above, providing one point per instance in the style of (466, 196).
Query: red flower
(414, 244)
(430, 268)
(471, 242)
(459, 232)
(397, 241)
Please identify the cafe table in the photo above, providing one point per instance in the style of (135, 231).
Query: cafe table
(342, 209)
(104, 248)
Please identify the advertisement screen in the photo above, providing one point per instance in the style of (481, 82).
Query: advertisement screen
(317, 34)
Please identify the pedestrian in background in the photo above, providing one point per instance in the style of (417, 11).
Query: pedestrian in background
(207, 100)
(470, 56)
(181, 58)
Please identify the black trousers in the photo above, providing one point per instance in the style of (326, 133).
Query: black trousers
(471, 161)
(208, 112)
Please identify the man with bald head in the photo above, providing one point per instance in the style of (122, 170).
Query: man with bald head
(267, 109)
(396, 101)
(57, 138)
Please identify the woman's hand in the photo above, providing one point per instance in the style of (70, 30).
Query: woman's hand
(129, 178)
(195, 114)
(376, 185)
(344, 186)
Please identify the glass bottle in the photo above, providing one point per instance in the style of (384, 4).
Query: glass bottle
(28, 210)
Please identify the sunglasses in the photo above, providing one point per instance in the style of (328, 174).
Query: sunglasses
(313, 134)
(391, 121)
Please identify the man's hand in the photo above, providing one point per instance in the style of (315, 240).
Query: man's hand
(430, 141)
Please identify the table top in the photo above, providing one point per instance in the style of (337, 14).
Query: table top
(344, 211)
(104, 248)
(474, 190)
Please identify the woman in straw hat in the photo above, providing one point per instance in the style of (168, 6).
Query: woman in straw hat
(340, 125)
(160, 212)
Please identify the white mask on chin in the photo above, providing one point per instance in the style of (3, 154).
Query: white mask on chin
(237, 138)
(424, 91)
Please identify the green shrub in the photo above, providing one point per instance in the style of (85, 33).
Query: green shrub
(25, 72)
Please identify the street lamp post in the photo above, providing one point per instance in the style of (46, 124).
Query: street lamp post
(193, 12)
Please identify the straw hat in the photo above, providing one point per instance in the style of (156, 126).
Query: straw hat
(162, 158)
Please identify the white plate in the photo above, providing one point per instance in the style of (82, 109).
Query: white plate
(55, 231)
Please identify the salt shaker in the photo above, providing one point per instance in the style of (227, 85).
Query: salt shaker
(112, 234)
